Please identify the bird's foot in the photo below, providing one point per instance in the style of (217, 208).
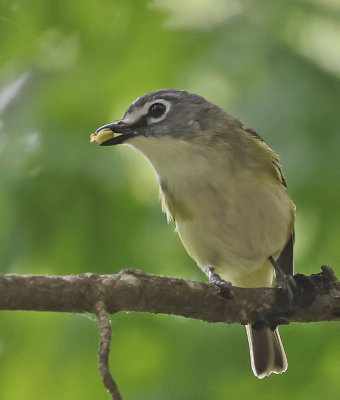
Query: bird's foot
(226, 288)
(286, 285)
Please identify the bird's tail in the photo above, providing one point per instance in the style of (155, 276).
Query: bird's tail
(267, 354)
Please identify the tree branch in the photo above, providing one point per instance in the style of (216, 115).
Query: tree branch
(312, 298)
(317, 297)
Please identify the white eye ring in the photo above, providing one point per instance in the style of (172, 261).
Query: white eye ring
(153, 119)
(156, 110)
(143, 111)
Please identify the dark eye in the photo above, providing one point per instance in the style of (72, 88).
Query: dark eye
(156, 110)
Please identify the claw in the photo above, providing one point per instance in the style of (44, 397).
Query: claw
(226, 288)
(286, 284)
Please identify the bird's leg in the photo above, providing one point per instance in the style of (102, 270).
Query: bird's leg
(226, 288)
(284, 282)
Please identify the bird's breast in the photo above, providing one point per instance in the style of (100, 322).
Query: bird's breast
(227, 215)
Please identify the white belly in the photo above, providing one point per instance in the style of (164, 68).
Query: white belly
(227, 216)
(236, 230)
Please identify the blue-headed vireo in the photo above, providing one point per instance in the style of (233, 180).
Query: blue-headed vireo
(223, 186)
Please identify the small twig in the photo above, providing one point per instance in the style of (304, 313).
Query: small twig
(104, 350)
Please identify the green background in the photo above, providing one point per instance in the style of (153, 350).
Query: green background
(68, 206)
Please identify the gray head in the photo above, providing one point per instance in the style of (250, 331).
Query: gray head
(167, 112)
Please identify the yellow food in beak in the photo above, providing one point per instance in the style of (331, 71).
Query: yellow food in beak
(101, 136)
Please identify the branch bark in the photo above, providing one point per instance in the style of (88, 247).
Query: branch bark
(104, 351)
(310, 299)
(317, 297)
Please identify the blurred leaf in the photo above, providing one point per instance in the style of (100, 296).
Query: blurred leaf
(70, 207)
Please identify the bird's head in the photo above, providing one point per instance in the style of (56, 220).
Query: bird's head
(164, 113)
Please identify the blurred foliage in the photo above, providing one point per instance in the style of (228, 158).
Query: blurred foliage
(67, 67)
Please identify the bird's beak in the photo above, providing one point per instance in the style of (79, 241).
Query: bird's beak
(124, 130)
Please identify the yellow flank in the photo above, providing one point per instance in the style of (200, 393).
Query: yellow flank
(101, 136)
(174, 208)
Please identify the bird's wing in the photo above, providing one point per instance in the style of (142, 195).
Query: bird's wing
(276, 163)
(285, 260)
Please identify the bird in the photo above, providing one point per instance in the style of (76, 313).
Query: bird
(224, 188)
